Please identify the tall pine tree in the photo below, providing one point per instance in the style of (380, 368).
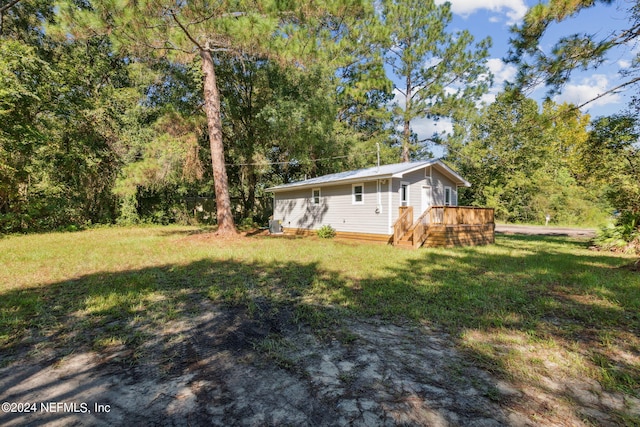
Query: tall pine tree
(440, 73)
(287, 32)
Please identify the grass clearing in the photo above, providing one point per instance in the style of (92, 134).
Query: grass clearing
(535, 310)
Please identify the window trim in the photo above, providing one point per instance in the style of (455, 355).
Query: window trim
(450, 191)
(353, 194)
(407, 193)
(313, 197)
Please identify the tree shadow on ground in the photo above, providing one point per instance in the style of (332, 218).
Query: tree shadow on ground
(190, 339)
(158, 329)
(104, 308)
(568, 323)
(217, 342)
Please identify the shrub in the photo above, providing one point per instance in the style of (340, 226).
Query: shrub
(326, 232)
(623, 236)
(247, 224)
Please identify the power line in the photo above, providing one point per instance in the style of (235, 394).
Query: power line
(295, 161)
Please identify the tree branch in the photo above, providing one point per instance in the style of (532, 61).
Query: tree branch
(403, 93)
(3, 9)
(8, 6)
(185, 31)
(612, 90)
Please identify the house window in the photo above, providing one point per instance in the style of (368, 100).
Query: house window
(447, 196)
(358, 194)
(315, 196)
(404, 194)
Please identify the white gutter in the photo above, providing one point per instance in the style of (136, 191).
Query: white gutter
(301, 186)
(390, 214)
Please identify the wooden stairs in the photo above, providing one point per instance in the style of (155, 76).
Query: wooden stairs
(407, 240)
(410, 234)
(444, 226)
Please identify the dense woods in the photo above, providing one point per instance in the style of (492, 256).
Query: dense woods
(126, 112)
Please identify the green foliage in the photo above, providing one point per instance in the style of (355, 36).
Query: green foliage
(580, 51)
(326, 232)
(611, 156)
(624, 235)
(247, 224)
(276, 122)
(287, 33)
(527, 164)
(128, 211)
(523, 299)
(443, 74)
(60, 124)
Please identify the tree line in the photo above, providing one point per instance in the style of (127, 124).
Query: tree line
(118, 111)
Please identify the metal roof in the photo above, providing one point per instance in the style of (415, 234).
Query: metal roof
(396, 170)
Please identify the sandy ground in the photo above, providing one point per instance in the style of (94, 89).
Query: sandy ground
(225, 367)
(541, 230)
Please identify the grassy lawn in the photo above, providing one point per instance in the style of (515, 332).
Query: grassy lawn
(530, 309)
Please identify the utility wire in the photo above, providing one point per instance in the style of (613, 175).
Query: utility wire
(294, 161)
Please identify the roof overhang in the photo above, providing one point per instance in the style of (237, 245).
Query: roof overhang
(460, 181)
(346, 181)
(374, 176)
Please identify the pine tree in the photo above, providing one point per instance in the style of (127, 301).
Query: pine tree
(578, 51)
(287, 32)
(442, 73)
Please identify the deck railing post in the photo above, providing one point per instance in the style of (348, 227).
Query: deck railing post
(438, 216)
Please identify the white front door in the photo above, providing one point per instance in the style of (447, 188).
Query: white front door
(426, 198)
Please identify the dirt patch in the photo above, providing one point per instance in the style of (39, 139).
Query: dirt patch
(213, 236)
(634, 266)
(538, 230)
(226, 366)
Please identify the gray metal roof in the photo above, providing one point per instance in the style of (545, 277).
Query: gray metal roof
(396, 170)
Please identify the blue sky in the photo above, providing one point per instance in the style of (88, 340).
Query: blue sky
(494, 18)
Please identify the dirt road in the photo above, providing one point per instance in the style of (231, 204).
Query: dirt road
(541, 230)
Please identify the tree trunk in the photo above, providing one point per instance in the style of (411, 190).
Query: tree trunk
(406, 141)
(251, 192)
(406, 132)
(220, 180)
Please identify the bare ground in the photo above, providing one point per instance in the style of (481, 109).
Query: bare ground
(224, 366)
(540, 230)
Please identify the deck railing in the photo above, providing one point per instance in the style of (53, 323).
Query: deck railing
(437, 215)
(460, 215)
(420, 228)
(403, 223)
(448, 215)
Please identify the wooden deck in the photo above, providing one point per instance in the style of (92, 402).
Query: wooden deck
(438, 226)
(362, 237)
(444, 226)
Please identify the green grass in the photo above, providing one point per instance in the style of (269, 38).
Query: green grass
(528, 308)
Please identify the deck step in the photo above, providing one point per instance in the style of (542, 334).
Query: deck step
(404, 244)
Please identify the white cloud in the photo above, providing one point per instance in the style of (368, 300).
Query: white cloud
(424, 127)
(588, 89)
(399, 98)
(501, 71)
(514, 9)
(488, 98)
(624, 63)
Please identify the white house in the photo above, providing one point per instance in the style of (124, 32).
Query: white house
(368, 203)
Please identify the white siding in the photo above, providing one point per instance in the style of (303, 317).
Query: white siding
(417, 180)
(295, 210)
(439, 183)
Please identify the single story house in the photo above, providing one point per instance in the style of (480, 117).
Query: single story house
(401, 203)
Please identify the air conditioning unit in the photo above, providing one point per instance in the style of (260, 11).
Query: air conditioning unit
(275, 226)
